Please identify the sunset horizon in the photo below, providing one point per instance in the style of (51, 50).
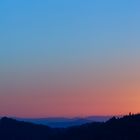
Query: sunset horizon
(72, 58)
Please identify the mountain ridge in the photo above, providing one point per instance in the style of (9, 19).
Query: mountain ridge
(124, 128)
(63, 122)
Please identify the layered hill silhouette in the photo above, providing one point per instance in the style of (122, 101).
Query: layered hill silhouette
(62, 122)
(125, 128)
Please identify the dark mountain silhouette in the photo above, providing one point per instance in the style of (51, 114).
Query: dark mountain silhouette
(125, 128)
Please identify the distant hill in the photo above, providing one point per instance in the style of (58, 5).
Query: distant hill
(125, 128)
(65, 122)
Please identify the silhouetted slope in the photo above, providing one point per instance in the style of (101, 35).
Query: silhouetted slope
(15, 130)
(125, 128)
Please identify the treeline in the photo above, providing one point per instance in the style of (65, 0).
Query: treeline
(125, 128)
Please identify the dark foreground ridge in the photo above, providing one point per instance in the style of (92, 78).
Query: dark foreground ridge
(125, 128)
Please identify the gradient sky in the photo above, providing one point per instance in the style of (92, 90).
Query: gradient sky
(69, 57)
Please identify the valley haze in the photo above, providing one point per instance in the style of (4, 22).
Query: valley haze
(64, 122)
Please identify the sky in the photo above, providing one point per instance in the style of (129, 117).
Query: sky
(69, 57)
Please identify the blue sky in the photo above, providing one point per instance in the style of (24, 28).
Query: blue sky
(65, 28)
(64, 42)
